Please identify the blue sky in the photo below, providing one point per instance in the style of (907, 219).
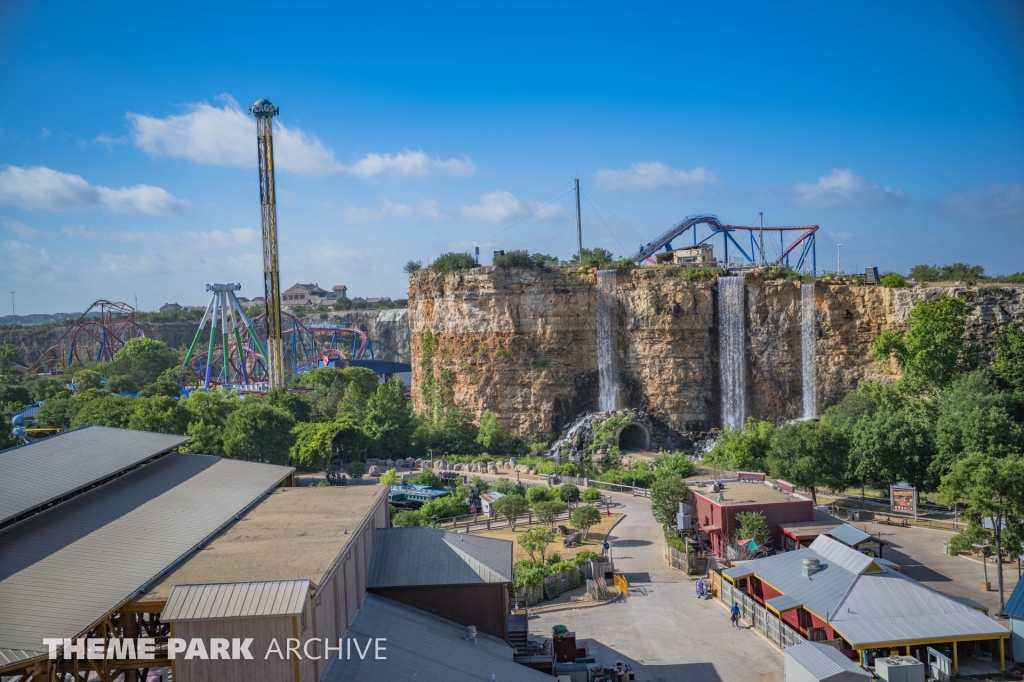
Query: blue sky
(128, 165)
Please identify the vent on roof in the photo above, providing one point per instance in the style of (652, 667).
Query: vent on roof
(811, 565)
(471, 634)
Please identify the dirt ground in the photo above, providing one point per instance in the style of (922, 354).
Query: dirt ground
(593, 542)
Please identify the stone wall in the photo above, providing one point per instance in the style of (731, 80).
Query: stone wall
(522, 343)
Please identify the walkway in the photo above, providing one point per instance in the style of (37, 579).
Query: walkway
(662, 630)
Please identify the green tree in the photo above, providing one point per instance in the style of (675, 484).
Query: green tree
(15, 396)
(88, 378)
(7, 439)
(211, 406)
(935, 348)
(159, 414)
(594, 258)
(44, 388)
(413, 266)
(745, 450)
(144, 360)
(404, 519)
(204, 439)
(389, 477)
(568, 493)
(311, 450)
(445, 507)
(585, 518)
(104, 410)
(676, 465)
(122, 384)
(547, 511)
(352, 406)
(539, 493)
(666, 494)
(389, 419)
(453, 261)
(925, 273)
(57, 411)
(893, 280)
(811, 455)
(992, 488)
(591, 495)
(163, 386)
(889, 446)
(753, 525)
(355, 469)
(10, 356)
(430, 478)
(494, 439)
(515, 259)
(1008, 364)
(293, 403)
(258, 431)
(535, 541)
(507, 487)
(511, 507)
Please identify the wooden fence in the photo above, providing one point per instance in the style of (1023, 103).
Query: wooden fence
(553, 585)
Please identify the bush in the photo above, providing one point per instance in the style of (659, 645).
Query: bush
(584, 518)
(515, 259)
(547, 510)
(453, 261)
(355, 469)
(493, 438)
(753, 525)
(591, 494)
(568, 493)
(445, 507)
(404, 519)
(507, 487)
(695, 274)
(673, 541)
(781, 272)
(538, 493)
(638, 474)
(893, 280)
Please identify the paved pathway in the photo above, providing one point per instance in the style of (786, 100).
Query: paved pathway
(662, 630)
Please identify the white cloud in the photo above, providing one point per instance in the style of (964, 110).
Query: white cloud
(44, 189)
(226, 136)
(425, 209)
(18, 228)
(845, 189)
(240, 236)
(998, 203)
(649, 175)
(498, 205)
(44, 132)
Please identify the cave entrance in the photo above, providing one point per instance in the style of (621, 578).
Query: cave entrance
(634, 437)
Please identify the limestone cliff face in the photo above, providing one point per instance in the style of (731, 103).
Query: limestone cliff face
(387, 329)
(523, 344)
(34, 341)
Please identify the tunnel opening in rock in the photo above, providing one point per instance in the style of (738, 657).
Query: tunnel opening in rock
(634, 437)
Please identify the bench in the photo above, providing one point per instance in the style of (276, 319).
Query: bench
(891, 520)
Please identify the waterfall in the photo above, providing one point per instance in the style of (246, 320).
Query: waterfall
(607, 365)
(809, 350)
(731, 350)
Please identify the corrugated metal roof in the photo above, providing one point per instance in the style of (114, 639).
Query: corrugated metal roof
(840, 554)
(890, 607)
(427, 556)
(849, 535)
(236, 600)
(783, 603)
(64, 569)
(823, 661)
(35, 474)
(1015, 604)
(425, 648)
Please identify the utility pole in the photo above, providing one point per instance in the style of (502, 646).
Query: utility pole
(579, 223)
(839, 260)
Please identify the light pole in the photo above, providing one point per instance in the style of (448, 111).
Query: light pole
(12, 307)
(839, 260)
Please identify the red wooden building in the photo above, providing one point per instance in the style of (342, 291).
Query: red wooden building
(715, 509)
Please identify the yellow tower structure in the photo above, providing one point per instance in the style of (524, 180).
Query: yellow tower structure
(264, 112)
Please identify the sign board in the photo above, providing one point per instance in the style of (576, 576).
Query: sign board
(903, 499)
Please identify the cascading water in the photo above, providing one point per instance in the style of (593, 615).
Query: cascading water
(731, 350)
(607, 365)
(809, 350)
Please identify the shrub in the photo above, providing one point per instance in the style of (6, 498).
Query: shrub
(355, 469)
(404, 519)
(584, 518)
(453, 261)
(693, 274)
(753, 525)
(781, 272)
(547, 510)
(893, 280)
(536, 541)
(591, 494)
(428, 477)
(445, 507)
(515, 259)
(569, 493)
(511, 507)
(507, 487)
(390, 477)
(538, 493)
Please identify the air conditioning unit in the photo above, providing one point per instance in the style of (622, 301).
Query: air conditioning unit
(900, 669)
(683, 521)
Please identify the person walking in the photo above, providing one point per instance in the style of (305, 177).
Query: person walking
(735, 615)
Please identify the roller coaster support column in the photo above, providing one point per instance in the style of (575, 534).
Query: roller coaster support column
(213, 337)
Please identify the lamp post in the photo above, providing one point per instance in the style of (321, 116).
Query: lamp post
(839, 261)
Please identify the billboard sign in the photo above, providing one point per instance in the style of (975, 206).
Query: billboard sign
(903, 499)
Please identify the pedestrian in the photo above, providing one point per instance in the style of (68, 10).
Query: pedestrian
(735, 615)
(700, 588)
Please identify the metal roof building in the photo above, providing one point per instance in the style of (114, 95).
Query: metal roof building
(37, 475)
(1015, 611)
(236, 600)
(63, 570)
(425, 648)
(851, 596)
(813, 662)
(427, 556)
(464, 578)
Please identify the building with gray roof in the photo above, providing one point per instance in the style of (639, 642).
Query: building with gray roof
(464, 578)
(813, 662)
(842, 594)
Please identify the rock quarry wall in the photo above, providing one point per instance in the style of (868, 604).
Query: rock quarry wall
(523, 343)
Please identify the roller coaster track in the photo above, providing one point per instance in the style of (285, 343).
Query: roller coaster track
(91, 339)
(804, 241)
